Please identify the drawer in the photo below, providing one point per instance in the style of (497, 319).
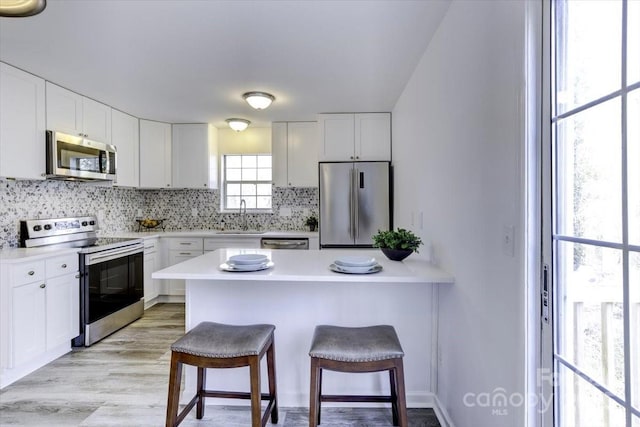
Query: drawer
(194, 244)
(150, 246)
(27, 272)
(60, 265)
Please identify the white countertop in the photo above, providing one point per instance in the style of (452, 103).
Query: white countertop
(8, 256)
(305, 266)
(214, 233)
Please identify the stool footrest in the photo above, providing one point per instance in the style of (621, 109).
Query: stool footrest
(233, 394)
(354, 398)
(182, 415)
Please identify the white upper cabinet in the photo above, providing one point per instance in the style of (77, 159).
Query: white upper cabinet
(125, 135)
(75, 114)
(336, 137)
(359, 136)
(22, 124)
(155, 154)
(96, 120)
(195, 156)
(294, 148)
(372, 136)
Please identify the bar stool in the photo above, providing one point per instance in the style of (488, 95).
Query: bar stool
(215, 345)
(366, 349)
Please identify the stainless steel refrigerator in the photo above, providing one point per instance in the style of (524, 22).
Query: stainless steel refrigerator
(355, 202)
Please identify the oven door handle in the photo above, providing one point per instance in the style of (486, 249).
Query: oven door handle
(113, 254)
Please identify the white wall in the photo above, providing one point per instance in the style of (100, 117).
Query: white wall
(457, 150)
(250, 141)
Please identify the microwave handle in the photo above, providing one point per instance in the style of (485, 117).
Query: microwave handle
(103, 160)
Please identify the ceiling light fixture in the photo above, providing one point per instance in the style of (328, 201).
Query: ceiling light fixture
(21, 8)
(238, 124)
(259, 100)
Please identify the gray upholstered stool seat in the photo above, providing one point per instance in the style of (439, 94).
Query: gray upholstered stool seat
(216, 345)
(357, 350)
(218, 340)
(364, 344)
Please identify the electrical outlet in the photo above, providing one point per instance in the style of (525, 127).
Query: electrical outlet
(508, 244)
(139, 213)
(285, 212)
(194, 212)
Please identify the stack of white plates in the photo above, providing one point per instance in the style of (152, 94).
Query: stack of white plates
(355, 265)
(247, 262)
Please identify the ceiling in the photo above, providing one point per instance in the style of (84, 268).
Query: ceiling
(190, 61)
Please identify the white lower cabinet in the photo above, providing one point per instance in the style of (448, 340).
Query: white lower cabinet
(151, 264)
(180, 249)
(28, 323)
(62, 308)
(40, 312)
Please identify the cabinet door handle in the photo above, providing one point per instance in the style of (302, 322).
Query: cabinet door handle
(43, 286)
(64, 266)
(185, 253)
(31, 273)
(77, 276)
(186, 243)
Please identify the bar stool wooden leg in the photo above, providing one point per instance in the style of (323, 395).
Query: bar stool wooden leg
(402, 398)
(319, 394)
(314, 394)
(394, 396)
(271, 371)
(174, 391)
(202, 380)
(254, 373)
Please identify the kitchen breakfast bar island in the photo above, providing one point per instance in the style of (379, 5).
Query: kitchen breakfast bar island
(299, 292)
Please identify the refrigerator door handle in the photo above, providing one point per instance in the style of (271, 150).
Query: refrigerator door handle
(351, 191)
(356, 207)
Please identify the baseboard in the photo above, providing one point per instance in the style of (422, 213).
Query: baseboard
(9, 376)
(443, 416)
(170, 299)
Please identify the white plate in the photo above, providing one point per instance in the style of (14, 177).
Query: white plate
(246, 268)
(356, 270)
(248, 259)
(355, 261)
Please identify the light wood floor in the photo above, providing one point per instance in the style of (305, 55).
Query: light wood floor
(122, 381)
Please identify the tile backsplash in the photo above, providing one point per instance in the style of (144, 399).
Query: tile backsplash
(117, 208)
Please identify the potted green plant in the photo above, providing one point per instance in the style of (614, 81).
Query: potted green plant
(311, 222)
(397, 244)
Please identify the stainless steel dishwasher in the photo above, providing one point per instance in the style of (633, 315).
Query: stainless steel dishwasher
(284, 243)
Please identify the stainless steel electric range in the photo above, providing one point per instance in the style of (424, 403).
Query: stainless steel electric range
(111, 272)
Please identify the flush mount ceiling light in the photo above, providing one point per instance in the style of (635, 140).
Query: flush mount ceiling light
(21, 8)
(238, 124)
(259, 100)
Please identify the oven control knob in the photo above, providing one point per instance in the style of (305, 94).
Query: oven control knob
(92, 223)
(84, 223)
(47, 226)
(37, 228)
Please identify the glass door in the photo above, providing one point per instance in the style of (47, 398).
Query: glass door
(594, 238)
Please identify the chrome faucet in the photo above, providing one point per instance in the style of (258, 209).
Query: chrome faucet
(243, 216)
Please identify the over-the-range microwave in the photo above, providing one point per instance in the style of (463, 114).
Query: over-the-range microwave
(77, 158)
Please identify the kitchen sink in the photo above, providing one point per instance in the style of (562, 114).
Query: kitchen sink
(240, 232)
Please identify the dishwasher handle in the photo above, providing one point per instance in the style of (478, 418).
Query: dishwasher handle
(284, 243)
